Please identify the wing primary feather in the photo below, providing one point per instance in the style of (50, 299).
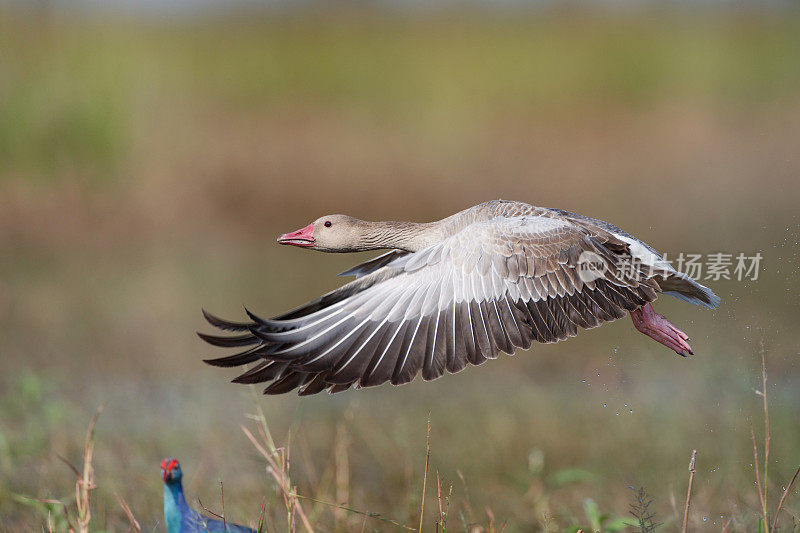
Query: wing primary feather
(555, 322)
(430, 348)
(287, 383)
(340, 373)
(607, 309)
(296, 333)
(499, 333)
(450, 339)
(315, 385)
(307, 341)
(526, 327)
(543, 327)
(255, 318)
(381, 367)
(408, 344)
(224, 324)
(559, 308)
(412, 360)
(436, 356)
(266, 371)
(490, 321)
(307, 365)
(574, 313)
(333, 389)
(483, 349)
(239, 359)
(464, 342)
(512, 328)
(229, 342)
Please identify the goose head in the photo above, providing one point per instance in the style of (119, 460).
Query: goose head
(331, 233)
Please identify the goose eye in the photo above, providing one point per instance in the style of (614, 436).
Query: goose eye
(328, 224)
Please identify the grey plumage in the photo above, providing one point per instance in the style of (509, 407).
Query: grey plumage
(490, 279)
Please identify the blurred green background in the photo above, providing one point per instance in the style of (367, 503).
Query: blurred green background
(148, 162)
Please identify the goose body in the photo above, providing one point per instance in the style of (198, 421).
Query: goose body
(492, 278)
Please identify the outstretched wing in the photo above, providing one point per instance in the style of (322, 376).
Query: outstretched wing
(495, 286)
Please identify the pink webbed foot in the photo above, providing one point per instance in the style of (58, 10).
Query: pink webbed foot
(655, 326)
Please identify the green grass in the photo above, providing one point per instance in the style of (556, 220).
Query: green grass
(71, 95)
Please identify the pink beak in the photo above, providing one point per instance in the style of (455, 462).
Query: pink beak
(303, 238)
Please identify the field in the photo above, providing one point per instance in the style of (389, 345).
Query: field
(147, 164)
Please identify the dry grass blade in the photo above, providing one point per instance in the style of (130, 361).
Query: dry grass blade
(376, 516)
(689, 491)
(257, 445)
(135, 527)
(222, 497)
(425, 475)
(783, 498)
(262, 515)
(763, 394)
(467, 502)
(85, 483)
(490, 515)
(278, 468)
(439, 498)
(70, 465)
(444, 509)
(758, 476)
(209, 511)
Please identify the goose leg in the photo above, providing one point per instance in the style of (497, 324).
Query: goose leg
(657, 327)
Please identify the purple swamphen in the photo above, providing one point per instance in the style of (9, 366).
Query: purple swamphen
(178, 516)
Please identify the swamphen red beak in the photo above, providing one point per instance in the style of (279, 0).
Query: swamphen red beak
(166, 468)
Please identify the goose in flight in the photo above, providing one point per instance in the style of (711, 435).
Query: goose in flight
(492, 278)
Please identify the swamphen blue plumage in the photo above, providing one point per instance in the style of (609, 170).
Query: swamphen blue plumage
(178, 516)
